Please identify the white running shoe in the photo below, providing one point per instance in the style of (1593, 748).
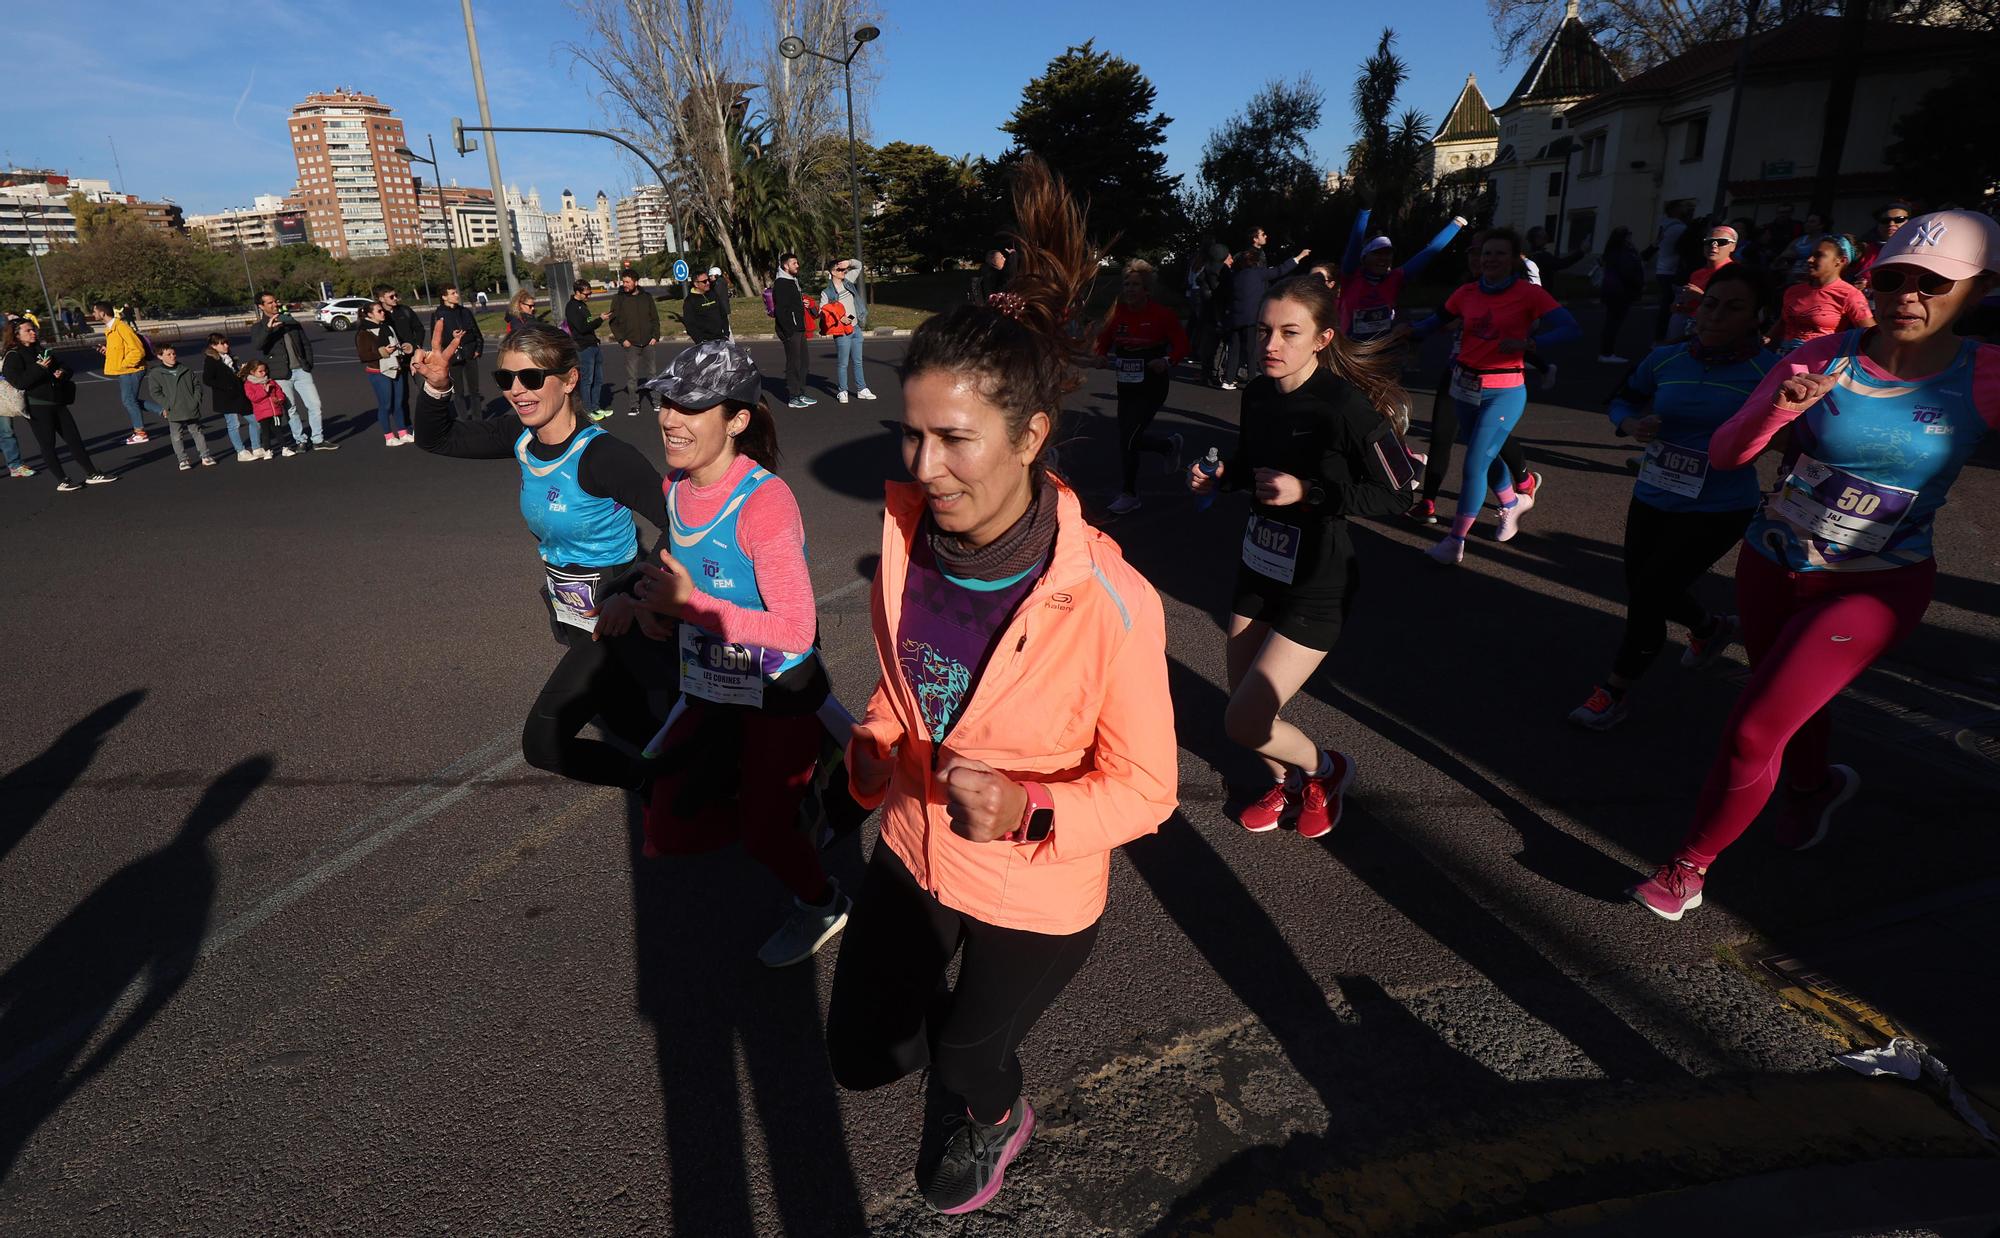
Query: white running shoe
(245, 456)
(841, 396)
(864, 394)
(1510, 517)
(805, 930)
(1124, 503)
(1450, 550)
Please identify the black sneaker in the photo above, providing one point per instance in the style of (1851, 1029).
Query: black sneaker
(975, 1160)
(323, 445)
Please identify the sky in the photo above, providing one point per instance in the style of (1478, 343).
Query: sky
(196, 106)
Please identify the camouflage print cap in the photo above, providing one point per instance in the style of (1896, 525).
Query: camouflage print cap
(708, 373)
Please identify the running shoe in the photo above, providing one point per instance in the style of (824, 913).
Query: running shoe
(1124, 503)
(1510, 517)
(1450, 550)
(1805, 816)
(185, 466)
(975, 1160)
(807, 401)
(1424, 511)
(66, 485)
(244, 457)
(99, 479)
(805, 930)
(323, 445)
(840, 397)
(264, 453)
(1701, 651)
(289, 452)
(1175, 449)
(207, 461)
(1602, 711)
(1323, 796)
(20, 470)
(1673, 890)
(1530, 484)
(407, 436)
(604, 413)
(864, 394)
(1264, 815)
(1229, 386)
(390, 440)
(1612, 358)
(631, 412)
(137, 437)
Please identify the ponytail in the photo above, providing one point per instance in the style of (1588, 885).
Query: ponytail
(759, 439)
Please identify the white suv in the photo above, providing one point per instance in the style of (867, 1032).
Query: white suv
(342, 312)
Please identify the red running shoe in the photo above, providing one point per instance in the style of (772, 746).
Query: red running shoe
(1265, 814)
(1672, 890)
(1324, 796)
(1529, 484)
(1425, 511)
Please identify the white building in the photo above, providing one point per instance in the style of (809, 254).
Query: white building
(585, 237)
(34, 207)
(1530, 169)
(530, 224)
(474, 224)
(1468, 137)
(1657, 139)
(273, 220)
(644, 224)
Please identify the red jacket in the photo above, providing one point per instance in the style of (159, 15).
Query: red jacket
(1150, 326)
(267, 400)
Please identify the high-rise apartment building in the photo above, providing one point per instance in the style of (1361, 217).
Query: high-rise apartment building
(272, 222)
(643, 224)
(357, 191)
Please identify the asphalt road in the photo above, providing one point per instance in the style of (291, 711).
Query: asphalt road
(293, 943)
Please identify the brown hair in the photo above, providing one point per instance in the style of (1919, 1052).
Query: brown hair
(10, 338)
(215, 338)
(251, 367)
(1017, 348)
(1373, 368)
(549, 349)
(759, 439)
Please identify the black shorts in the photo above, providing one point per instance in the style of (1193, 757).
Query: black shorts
(1312, 619)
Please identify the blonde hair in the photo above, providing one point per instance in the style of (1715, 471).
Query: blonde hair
(523, 303)
(551, 350)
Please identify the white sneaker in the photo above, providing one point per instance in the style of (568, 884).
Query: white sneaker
(246, 455)
(1229, 386)
(1510, 517)
(841, 396)
(1124, 503)
(864, 394)
(289, 452)
(805, 930)
(264, 453)
(1449, 550)
(1612, 358)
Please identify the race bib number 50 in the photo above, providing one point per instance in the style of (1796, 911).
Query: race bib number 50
(1836, 506)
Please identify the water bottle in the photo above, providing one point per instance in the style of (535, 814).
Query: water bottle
(1210, 465)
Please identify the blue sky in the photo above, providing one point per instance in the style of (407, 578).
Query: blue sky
(197, 104)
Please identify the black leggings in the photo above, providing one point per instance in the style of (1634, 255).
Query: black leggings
(1138, 404)
(1665, 554)
(590, 681)
(891, 1012)
(1241, 339)
(1444, 432)
(49, 420)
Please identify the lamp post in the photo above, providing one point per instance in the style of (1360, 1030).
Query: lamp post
(791, 47)
(437, 183)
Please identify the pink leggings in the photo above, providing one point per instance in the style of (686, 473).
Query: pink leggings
(1808, 634)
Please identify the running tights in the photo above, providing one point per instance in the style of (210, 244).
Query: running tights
(589, 682)
(892, 1014)
(1492, 420)
(1138, 404)
(1665, 554)
(1808, 634)
(1444, 434)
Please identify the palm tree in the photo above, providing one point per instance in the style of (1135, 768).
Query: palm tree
(1386, 158)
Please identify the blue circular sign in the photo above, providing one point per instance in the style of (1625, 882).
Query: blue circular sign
(680, 270)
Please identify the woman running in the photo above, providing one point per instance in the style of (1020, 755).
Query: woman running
(1685, 512)
(1022, 728)
(1824, 302)
(1498, 315)
(47, 390)
(383, 357)
(1319, 443)
(751, 681)
(579, 490)
(1836, 567)
(1141, 341)
(1372, 285)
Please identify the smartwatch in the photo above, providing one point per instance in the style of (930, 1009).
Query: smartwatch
(1039, 817)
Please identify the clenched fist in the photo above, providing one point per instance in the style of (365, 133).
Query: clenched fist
(984, 804)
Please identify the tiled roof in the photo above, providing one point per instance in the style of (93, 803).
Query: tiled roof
(1469, 120)
(1570, 66)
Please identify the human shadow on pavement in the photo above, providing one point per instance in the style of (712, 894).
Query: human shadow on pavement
(110, 966)
(720, 1018)
(32, 788)
(857, 467)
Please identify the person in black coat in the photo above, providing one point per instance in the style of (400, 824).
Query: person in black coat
(457, 316)
(788, 303)
(1622, 284)
(1247, 284)
(705, 312)
(409, 328)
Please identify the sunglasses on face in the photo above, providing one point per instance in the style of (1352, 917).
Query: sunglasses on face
(1892, 280)
(1717, 240)
(531, 378)
(1895, 219)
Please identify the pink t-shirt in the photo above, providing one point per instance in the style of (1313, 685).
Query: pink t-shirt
(1490, 317)
(772, 535)
(1811, 311)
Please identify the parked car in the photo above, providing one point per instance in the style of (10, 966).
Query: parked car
(342, 313)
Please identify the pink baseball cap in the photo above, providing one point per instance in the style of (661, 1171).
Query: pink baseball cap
(1954, 244)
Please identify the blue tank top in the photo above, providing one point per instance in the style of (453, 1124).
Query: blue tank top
(573, 526)
(718, 565)
(1870, 467)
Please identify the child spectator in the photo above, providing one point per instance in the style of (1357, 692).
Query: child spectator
(218, 374)
(176, 390)
(267, 404)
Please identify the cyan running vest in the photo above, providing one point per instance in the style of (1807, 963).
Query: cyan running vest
(574, 527)
(718, 565)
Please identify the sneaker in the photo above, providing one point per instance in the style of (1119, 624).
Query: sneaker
(1424, 511)
(1510, 517)
(265, 454)
(244, 457)
(840, 396)
(975, 1159)
(1264, 815)
(1449, 551)
(185, 466)
(99, 479)
(1602, 711)
(289, 452)
(323, 445)
(864, 394)
(1701, 652)
(1612, 358)
(799, 402)
(390, 440)
(1805, 816)
(1530, 485)
(1673, 890)
(1548, 377)
(20, 470)
(137, 437)
(408, 436)
(1176, 450)
(1124, 503)
(66, 485)
(1229, 386)
(630, 412)
(805, 930)
(206, 461)
(603, 413)
(1323, 796)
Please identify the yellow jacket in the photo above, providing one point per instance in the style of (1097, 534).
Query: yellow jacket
(123, 353)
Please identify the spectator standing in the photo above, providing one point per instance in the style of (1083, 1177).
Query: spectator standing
(288, 355)
(521, 311)
(992, 276)
(788, 306)
(409, 330)
(705, 312)
(1622, 284)
(1667, 262)
(846, 317)
(47, 390)
(267, 406)
(635, 324)
(582, 328)
(1247, 284)
(125, 360)
(218, 374)
(176, 390)
(457, 316)
(381, 354)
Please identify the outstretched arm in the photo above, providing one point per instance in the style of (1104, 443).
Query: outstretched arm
(1352, 258)
(1422, 258)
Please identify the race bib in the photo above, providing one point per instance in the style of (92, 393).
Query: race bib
(1373, 321)
(1271, 549)
(1835, 506)
(1676, 470)
(1466, 387)
(1131, 369)
(716, 670)
(574, 598)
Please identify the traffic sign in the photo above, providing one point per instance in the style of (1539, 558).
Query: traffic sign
(680, 270)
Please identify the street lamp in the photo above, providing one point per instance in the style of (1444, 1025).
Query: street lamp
(437, 183)
(791, 47)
